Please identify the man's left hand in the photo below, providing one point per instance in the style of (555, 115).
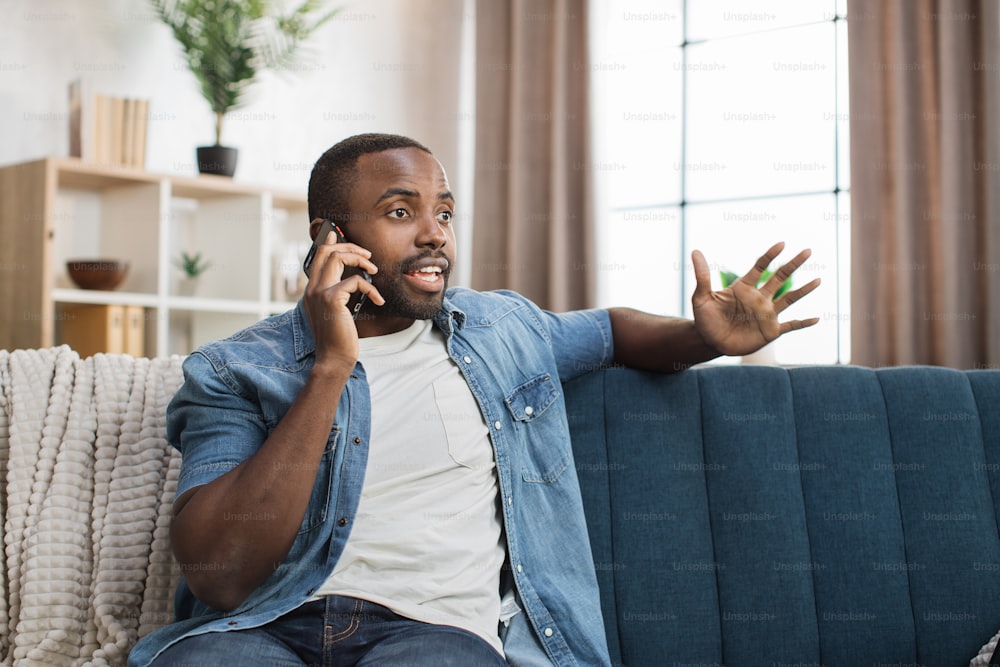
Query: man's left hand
(743, 318)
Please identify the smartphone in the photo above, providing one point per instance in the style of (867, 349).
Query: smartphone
(358, 299)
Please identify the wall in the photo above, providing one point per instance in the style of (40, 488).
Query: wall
(381, 65)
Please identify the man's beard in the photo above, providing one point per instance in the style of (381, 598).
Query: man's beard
(399, 298)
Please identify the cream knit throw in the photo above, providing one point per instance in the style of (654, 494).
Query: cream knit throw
(86, 483)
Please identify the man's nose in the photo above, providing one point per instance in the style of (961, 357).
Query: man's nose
(432, 233)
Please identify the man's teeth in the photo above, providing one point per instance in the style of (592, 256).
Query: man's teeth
(428, 273)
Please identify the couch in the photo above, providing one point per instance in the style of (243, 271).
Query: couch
(752, 515)
(739, 515)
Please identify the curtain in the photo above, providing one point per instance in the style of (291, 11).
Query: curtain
(925, 182)
(532, 202)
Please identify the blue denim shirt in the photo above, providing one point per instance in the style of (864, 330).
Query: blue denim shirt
(514, 357)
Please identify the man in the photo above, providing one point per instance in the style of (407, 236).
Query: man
(398, 488)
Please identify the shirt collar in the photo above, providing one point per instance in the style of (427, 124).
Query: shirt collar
(448, 319)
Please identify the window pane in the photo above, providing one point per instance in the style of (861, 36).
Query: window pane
(733, 235)
(641, 265)
(720, 18)
(759, 114)
(843, 110)
(643, 24)
(642, 129)
(844, 274)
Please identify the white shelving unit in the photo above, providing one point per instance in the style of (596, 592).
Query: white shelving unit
(57, 209)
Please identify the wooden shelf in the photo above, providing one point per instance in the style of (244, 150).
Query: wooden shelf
(57, 208)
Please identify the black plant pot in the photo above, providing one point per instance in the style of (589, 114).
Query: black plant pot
(219, 160)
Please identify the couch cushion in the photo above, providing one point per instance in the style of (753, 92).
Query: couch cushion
(756, 515)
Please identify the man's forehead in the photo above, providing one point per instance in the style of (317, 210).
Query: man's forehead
(408, 161)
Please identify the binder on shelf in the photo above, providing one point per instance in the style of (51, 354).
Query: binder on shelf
(105, 129)
(113, 329)
(135, 331)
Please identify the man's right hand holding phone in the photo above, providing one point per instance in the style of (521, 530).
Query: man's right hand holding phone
(332, 292)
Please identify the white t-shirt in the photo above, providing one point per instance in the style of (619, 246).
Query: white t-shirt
(427, 539)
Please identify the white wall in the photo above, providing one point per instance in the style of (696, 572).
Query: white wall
(381, 65)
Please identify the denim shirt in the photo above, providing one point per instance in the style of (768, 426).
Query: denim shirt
(513, 356)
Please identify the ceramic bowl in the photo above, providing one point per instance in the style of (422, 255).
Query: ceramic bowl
(99, 274)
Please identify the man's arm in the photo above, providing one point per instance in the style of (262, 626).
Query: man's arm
(275, 484)
(735, 321)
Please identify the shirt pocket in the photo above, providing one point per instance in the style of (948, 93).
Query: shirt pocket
(463, 424)
(320, 497)
(546, 446)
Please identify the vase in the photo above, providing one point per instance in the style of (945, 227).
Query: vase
(218, 160)
(765, 356)
(187, 286)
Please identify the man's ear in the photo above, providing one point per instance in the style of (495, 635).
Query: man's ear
(314, 227)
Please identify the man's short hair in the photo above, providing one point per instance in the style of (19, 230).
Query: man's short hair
(335, 173)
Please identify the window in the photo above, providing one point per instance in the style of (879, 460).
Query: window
(722, 125)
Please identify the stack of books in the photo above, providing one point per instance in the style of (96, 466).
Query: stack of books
(107, 130)
(93, 328)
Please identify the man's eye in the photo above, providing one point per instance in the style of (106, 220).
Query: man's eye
(445, 216)
(398, 213)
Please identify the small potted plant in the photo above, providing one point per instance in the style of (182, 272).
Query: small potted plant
(227, 44)
(728, 278)
(192, 266)
(764, 355)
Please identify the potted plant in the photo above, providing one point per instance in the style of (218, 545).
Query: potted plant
(192, 266)
(228, 43)
(764, 355)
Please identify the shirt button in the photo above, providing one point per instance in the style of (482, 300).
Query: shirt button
(467, 359)
(519, 568)
(510, 501)
(529, 411)
(232, 623)
(548, 632)
(357, 441)
(497, 425)
(342, 521)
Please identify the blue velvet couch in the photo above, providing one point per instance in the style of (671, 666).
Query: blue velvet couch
(836, 516)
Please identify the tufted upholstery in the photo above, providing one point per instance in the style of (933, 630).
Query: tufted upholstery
(840, 516)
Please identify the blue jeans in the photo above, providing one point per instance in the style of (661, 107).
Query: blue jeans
(335, 632)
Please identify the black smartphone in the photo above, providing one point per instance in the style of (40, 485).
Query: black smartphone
(358, 299)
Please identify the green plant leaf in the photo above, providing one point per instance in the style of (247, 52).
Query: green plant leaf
(192, 265)
(728, 278)
(228, 43)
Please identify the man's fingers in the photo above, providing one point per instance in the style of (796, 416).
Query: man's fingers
(753, 275)
(794, 325)
(702, 274)
(369, 290)
(775, 282)
(789, 298)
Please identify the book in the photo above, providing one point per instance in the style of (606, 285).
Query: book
(79, 130)
(112, 328)
(107, 129)
(135, 331)
(92, 328)
(116, 133)
(128, 132)
(141, 109)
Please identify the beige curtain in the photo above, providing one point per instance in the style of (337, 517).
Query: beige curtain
(925, 182)
(533, 210)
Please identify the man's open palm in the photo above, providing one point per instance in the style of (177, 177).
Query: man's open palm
(743, 318)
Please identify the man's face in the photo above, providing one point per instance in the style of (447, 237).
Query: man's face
(401, 210)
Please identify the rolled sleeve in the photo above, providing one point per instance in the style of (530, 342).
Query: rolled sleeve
(213, 427)
(581, 341)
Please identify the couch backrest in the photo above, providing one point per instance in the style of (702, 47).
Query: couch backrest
(762, 516)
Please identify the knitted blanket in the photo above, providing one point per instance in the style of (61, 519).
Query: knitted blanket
(86, 484)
